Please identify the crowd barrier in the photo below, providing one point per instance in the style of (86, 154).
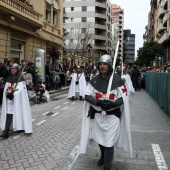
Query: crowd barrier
(158, 86)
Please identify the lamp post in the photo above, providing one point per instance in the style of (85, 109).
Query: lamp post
(89, 51)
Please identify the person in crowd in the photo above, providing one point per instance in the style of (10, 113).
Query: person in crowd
(32, 94)
(143, 78)
(8, 66)
(168, 69)
(119, 71)
(15, 106)
(23, 66)
(135, 78)
(78, 85)
(3, 76)
(57, 82)
(54, 54)
(106, 121)
(40, 91)
(32, 71)
(68, 77)
(94, 73)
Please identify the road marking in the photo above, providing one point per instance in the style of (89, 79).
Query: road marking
(65, 108)
(66, 102)
(57, 107)
(73, 103)
(16, 137)
(45, 113)
(40, 122)
(69, 162)
(55, 114)
(33, 120)
(159, 157)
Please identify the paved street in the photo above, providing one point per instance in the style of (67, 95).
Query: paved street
(150, 125)
(54, 143)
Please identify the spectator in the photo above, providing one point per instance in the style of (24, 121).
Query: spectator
(32, 94)
(57, 82)
(135, 78)
(54, 54)
(40, 91)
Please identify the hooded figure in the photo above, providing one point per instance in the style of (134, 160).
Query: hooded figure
(15, 106)
(106, 121)
(78, 85)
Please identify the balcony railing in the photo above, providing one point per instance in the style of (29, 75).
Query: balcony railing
(163, 38)
(161, 28)
(165, 18)
(21, 7)
(161, 12)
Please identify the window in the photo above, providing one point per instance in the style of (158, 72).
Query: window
(48, 12)
(83, 30)
(84, 8)
(83, 19)
(72, 19)
(72, 30)
(54, 17)
(72, 8)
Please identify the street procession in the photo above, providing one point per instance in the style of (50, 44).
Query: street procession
(84, 85)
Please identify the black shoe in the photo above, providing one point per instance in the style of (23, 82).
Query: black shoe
(100, 162)
(72, 98)
(5, 135)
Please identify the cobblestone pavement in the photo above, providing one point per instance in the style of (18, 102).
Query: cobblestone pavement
(150, 125)
(56, 135)
(56, 131)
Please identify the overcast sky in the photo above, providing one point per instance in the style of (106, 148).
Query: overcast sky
(135, 17)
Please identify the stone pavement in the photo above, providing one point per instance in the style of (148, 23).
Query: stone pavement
(150, 125)
(56, 131)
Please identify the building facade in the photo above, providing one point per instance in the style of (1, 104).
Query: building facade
(26, 25)
(88, 24)
(118, 24)
(129, 47)
(163, 28)
(158, 28)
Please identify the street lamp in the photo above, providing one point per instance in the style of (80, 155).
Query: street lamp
(89, 51)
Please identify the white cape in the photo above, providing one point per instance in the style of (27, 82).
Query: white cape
(22, 119)
(82, 86)
(128, 84)
(124, 138)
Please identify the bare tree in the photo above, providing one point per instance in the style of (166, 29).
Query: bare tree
(78, 38)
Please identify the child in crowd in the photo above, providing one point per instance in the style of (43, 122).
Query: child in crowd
(32, 94)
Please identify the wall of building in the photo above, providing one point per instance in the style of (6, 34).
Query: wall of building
(28, 31)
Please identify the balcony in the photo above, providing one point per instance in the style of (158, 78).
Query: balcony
(120, 16)
(161, 28)
(99, 26)
(21, 11)
(161, 12)
(163, 38)
(165, 4)
(103, 16)
(101, 5)
(100, 47)
(165, 18)
(100, 37)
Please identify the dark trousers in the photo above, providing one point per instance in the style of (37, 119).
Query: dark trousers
(9, 118)
(107, 154)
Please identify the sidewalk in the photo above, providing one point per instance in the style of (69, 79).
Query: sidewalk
(149, 126)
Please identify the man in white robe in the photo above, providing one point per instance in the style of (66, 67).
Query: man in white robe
(107, 122)
(15, 107)
(78, 85)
